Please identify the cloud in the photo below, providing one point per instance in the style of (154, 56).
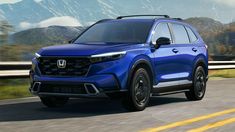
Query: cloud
(9, 1)
(60, 21)
(225, 2)
(54, 21)
(26, 25)
(14, 1)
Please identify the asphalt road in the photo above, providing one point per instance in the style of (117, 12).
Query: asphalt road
(216, 112)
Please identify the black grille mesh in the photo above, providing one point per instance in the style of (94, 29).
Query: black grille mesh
(74, 66)
(61, 88)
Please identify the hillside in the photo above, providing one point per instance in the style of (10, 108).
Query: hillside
(83, 10)
(210, 30)
(206, 24)
(219, 37)
(46, 36)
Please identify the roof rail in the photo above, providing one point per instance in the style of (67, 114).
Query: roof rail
(120, 17)
(103, 20)
(178, 19)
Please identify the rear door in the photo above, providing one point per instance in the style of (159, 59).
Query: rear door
(187, 52)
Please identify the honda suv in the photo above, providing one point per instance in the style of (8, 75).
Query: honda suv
(131, 58)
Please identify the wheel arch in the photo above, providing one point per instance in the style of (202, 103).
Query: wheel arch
(200, 62)
(146, 64)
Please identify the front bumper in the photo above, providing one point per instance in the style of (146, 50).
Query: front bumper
(93, 86)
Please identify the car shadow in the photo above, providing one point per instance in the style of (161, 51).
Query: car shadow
(74, 109)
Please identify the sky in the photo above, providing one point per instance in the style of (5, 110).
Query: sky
(225, 2)
(221, 10)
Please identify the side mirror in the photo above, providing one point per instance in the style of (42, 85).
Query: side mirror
(162, 41)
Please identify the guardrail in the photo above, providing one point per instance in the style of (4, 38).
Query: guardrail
(14, 69)
(220, 65)
(21, 69)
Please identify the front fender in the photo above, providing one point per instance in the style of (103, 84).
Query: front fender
(141, 59)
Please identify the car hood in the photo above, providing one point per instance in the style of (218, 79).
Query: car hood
(85, 49)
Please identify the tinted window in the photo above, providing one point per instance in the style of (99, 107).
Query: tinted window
(162, 30)
(181, 36)
(192, 36)
(117, 32)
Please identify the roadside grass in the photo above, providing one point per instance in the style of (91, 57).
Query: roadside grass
(230, 73)
(16, 88)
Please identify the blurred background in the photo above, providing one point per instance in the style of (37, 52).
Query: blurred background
(28, 25)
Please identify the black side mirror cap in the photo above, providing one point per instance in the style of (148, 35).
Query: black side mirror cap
(163, 41)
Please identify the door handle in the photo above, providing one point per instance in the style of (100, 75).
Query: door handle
(175, 50)
(194, 49)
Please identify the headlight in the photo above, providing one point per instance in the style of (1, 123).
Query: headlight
(107, 56)
(37, 56)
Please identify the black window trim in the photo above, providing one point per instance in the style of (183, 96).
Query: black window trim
(169, 28)
(189, 38)
(171, 32)
(191, 42)
(171, 23)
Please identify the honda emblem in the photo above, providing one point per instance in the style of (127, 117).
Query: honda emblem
(61, 63)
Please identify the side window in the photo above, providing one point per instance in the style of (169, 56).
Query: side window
(191, 34)
(162, 30)
(181, 36)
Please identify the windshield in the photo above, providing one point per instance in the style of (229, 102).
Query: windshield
(117, 32)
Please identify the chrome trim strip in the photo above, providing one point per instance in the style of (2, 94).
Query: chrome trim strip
(108, 54)
(172, 83)
(178, 75)
(32, 89)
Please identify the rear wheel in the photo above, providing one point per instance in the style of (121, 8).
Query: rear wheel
(198, 89)
(138, 95)
(52, 101)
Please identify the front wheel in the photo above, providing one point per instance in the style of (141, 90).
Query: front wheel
(198, 89)
(138, 95)
(52, 101)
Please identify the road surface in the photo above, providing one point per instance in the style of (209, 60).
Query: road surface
(216, 112)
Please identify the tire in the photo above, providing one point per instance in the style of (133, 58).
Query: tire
(198, 89)
(138, 94)
(54, 101)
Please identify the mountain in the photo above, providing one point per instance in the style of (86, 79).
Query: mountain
(206, 24)
(214, 32)
(219, 37)
(207, 27)
(83, 10)
(46, 36)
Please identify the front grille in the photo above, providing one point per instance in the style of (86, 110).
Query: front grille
(61, 88)
(74, 66)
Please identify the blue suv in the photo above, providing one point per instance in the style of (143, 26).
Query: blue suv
(131, 58)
